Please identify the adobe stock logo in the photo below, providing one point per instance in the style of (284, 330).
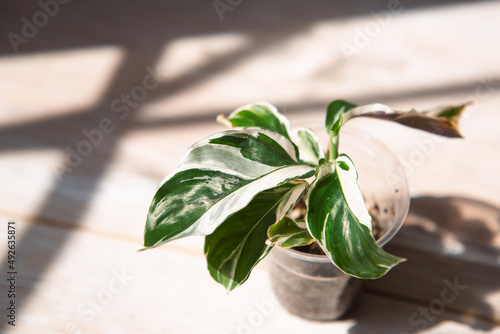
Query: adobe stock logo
(437, 306)
(88, 310)
(30, 28)
(221, 7)
(255, 319)
(121, 108)
(363, 36)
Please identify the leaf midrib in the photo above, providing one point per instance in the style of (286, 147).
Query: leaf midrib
(240, 246)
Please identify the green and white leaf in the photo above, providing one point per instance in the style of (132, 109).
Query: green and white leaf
(334, 113)
(267, 116)
(442, 121)
(334, 121)
(238, 244)
(263, 115)
(218, 177)
(338, 219)
(310, 150)
(287, 233)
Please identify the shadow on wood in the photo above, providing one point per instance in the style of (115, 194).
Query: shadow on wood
(452, 246)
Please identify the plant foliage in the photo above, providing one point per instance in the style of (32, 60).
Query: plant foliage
(237, 188)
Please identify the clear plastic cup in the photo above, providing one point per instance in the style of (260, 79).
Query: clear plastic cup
(309, 285)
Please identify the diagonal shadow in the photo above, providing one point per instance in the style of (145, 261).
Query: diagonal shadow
(23, 136)
(133, 29)
(131, 69)
(137, 24)
(208, 115)
(436, 228)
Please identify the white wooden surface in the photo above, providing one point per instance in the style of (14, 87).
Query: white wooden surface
(78, 231)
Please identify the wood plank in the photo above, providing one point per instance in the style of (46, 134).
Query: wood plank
(78, 232)
(448, 240)
(102, 285)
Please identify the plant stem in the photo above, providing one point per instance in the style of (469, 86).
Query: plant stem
(334, 147)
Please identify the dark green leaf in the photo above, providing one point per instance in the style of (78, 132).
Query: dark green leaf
(239, 243)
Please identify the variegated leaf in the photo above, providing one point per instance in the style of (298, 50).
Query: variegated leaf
(338, 219)
(238, 244)
(218, 177)
(287, 233)
(263, 115)
(334, 112)
(267, 116)
(334, 121)
(310, 151)
(442, 121)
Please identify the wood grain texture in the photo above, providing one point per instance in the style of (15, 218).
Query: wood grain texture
(102, 285)
(448, 239)
(79, 228)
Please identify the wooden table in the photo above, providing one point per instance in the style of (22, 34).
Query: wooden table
(79, 217)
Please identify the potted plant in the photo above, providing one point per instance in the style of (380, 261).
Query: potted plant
(263, 184)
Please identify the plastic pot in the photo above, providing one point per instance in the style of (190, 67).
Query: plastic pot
(310, 286)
